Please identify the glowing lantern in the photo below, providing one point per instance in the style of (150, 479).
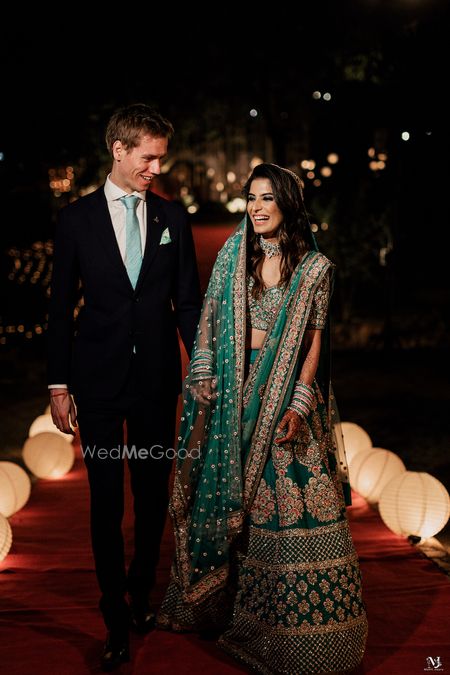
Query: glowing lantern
(5, 537)
(44, 423)
(372, 470)
(355, 439)
(415, 503)
(48, 455)
(15, 488)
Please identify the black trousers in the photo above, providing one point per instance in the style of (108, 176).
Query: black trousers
(150, 428)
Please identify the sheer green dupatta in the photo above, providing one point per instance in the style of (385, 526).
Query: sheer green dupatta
(206, 504)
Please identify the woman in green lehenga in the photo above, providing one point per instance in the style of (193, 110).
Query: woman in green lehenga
(264, 552)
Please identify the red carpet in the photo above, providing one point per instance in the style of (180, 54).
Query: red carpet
(49, 622)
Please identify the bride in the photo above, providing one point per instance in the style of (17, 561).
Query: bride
(264, 552)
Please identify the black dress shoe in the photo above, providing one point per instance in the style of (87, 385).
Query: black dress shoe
(142, 618)
(115, 651)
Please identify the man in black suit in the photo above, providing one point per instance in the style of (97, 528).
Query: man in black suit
(134, 255)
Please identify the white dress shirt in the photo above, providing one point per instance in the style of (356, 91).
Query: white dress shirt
(117, 211)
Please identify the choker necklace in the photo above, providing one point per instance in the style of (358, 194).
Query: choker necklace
(270, 249)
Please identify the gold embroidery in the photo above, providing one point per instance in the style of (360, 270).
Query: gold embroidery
(289, 501)
(268, 649)
(303, 532)
(321, 498)
(300, 567)
(263, 507)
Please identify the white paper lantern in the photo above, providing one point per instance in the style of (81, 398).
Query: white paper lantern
(44, 423)
(355, 439)
(48, 455)
(415, 503)
(371, 470)
(15, 488)
(5, 537)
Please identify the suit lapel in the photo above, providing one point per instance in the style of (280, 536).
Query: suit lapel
(156, 224)
(104, 228)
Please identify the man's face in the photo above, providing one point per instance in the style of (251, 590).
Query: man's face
(133, 169)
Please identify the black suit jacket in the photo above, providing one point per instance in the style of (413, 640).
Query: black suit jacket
(93, 354)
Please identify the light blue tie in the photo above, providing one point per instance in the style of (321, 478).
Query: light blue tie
(133, 251)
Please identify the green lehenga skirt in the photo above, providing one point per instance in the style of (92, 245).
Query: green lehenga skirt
(298, 608)
(299, 605)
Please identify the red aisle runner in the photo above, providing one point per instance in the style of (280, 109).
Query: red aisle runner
(49, 622)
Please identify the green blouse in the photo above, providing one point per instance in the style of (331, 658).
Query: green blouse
(261, 311)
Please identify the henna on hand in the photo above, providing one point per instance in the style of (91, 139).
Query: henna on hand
(293, 422)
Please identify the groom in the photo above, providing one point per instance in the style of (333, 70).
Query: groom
(132, 254)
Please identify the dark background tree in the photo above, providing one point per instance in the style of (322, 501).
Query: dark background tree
(383, 63)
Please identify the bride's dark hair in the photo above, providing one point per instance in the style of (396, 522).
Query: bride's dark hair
(293, 231)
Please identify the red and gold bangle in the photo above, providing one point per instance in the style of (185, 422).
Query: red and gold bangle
(302, 399)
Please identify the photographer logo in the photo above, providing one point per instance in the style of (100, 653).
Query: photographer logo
(434, 664)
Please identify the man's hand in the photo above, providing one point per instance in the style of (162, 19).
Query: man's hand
(203, 391)
(63, 410)
(293, 422)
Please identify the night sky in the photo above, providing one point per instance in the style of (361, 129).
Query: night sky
(385, 64)
(63, 74)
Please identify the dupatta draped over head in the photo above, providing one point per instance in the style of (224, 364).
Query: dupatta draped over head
(223, 447)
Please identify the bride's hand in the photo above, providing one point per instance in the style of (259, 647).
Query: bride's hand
(204, 392)
(293, 422)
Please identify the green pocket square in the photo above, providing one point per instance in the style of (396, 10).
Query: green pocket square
(165, 237)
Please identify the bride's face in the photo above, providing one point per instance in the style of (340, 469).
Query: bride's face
(262, 208)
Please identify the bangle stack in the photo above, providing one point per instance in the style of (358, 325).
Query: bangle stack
(201, 365)
(302, 399)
